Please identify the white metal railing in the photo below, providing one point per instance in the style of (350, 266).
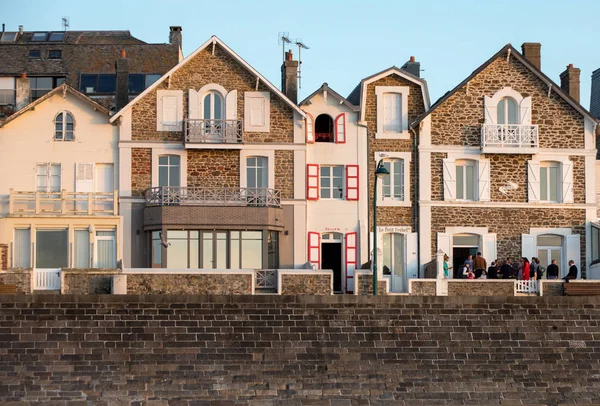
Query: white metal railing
(63, 203)
(265, 279)
(509, 135)
(7, 96)
(46, 279)
(206, 196)
(205, 131)
(529, 286)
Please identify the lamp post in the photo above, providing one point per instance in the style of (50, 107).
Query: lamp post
(380, 172)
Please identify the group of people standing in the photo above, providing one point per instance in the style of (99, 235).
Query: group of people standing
(477, 268)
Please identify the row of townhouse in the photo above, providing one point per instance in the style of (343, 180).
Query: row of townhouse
(210, 166)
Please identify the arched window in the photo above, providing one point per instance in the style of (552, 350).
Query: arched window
(64, 127)
(213, 106)
(507, 111)
(324, 128)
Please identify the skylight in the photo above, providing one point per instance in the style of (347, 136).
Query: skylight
(39, 36)
(8, 36)
(56, 36)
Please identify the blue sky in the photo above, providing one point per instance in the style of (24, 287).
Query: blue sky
(348, 39)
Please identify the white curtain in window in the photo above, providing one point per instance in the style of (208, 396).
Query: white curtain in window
(82, 249)
(22, 255)
(106, 249)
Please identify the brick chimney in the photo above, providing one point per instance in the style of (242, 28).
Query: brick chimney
(412, 67)
(175, 36)
(122, 91)
(595, 96)
(289, 77)
(569, 81)
(532, 51)
(22, 93)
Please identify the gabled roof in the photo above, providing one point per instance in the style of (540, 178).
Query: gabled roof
(213, 40)
(358, 95)
(64, 89)
(513, 54)
(325, 87)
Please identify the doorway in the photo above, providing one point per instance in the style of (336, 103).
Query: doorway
(394, 259)
(549, 247)
(463, 245)
(331, 257)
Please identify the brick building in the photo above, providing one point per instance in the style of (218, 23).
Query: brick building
(511, 159)
(211, 155)
(34, 62)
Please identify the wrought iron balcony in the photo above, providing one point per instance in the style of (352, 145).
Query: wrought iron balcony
(201, 131)
(63, 203)
(206, 196)
(509, 138)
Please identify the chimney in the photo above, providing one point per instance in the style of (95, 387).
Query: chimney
(22, 91)
(122, 91)
(532, 52)
(20, 29)
(289, 77)
(412, 67)
(595, 97)
(569, 81)
(175, 36)
(3, 27)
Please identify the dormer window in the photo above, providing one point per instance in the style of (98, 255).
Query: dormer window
(64, 127)
(507, 111)
(392, 112)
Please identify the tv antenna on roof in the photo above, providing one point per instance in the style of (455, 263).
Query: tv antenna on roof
(65, 23)
(301, 46)
(284, 38)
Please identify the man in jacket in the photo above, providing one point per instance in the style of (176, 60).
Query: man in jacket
(572, 272)
(479, 265)
(552, 270)
(506, 269)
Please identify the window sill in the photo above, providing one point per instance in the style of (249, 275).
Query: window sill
(393, 203)
(404, 135)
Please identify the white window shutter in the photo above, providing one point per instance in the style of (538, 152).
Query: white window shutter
(231, 105)
(443, 243)
(169, 109)
(193, 104)
(533, 181)
(489, 247)
(525, 111)
(411, 264)
(567, 182)
(484, 180)
(491, 110)
(84, 177)
(449, 179)
(340, 129)
(528, 245)
(310, 129)
(257, 111)
(573, 253)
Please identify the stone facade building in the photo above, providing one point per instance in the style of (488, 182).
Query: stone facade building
(212, 160)
(511, 158)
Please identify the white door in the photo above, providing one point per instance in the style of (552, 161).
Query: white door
(393, 260)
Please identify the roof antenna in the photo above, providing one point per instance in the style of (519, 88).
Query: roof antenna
(65, 23)
(284, 38)
(301, 46)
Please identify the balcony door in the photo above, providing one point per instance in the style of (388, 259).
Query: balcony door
(257, 170)
(214, 250)
(213, 116)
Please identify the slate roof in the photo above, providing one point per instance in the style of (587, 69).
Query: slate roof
(122, 37)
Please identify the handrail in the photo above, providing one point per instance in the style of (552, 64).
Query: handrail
(213, 131)
(509, 135)
(206, 196)
(63, 203)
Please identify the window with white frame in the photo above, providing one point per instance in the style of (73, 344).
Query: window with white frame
(81, 248)
(393, 185)
(106, 249)
(550, 182)
(64, 127)
(169, 170)
(507, 111)
(257, 171)
(332, 182)
(392, 111)
(465, 180)
(213, 106)
(48, 177)
(22, 248)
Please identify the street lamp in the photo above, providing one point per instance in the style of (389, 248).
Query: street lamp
(380, 172)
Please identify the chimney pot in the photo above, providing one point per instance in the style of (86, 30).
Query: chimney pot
(532, 52)
(23, 75)
(412, 66)
(412, 59)
(20, 29)
(123, 54)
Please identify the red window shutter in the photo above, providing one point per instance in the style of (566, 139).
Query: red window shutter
(340, 129)
(314, 248)
(351, 182)
(312, 182)
(351, 259)
(310, 129)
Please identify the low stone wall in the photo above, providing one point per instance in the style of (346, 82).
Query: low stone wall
(422, 287)
(552, 287)
(86, 281)
(363, 283)
(464, 287)
(305, 282)
(147, 282)
(3, 257)
(18, 276)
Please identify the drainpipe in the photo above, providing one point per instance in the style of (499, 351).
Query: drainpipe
(364, 124)
(416, 198)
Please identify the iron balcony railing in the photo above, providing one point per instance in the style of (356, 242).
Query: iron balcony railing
(201, 131)
(207, 196)
(509, 135)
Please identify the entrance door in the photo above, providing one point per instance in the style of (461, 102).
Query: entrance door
(51, 254)
(331, 257)
(214, 250)
(549, 247)
(393, 260)
(463, 245)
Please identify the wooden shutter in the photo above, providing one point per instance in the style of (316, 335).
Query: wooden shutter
(312, 182)
(567, 182)
(231, 105)
(84, 177)
(573, 253)
(525, 111)
(314, 248)
(490, 110)
(449, 170)
(533, 181)
(310, 129)
(193, 104)
(340, 129)
(489, 247)
(351, 260)
(483, 167)
(411, 263)
(352, 182)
